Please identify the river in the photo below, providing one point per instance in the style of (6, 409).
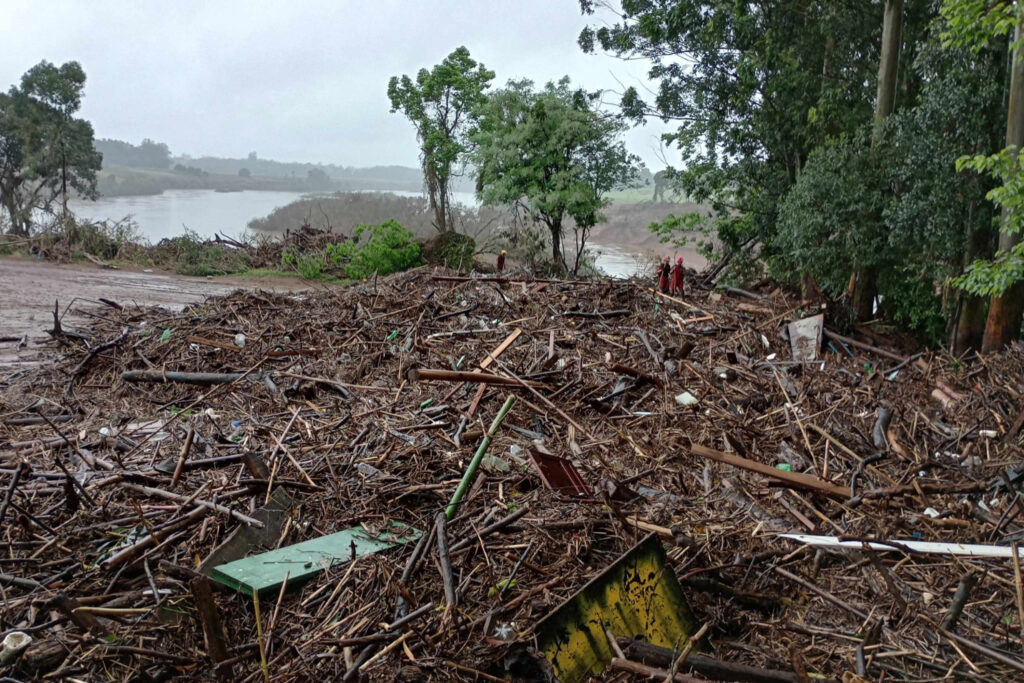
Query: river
(228, 213)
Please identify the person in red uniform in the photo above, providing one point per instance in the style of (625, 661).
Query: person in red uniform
(663, 273)
(677, 276)
(501, 262)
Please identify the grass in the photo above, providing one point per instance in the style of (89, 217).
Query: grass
(642, 195)
(271, 272)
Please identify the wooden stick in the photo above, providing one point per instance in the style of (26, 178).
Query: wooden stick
(686, 652)
(680, 301)
(648, 671)
(259, 636)
(548, 403)
(216, 507)
(10, 490)
(794, 479)
(715, 669)
(823, 593)
(500, 348)
(1019, 585)
(446, 567)
(864, 347)
(185, 448)
(201, 378)
(426, 375)
(978, 647)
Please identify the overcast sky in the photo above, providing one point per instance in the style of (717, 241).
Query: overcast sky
(303, 80)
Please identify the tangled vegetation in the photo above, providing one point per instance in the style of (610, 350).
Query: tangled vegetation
(382, 249)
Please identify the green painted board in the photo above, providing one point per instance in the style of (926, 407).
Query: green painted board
(264, 573)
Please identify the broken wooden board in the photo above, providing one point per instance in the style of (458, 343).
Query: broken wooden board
(264, 573)
(637, 595)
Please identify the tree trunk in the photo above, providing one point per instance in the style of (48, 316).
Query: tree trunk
(888, 66)
(1006, 312)
(968, 326)
(557, 258)
(19, 226)
(864, 292)
(892, 36)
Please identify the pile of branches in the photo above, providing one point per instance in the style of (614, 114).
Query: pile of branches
(149, 441)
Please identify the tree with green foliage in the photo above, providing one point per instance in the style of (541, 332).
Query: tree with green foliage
(442, 105)
(44, 150)
(754, 90)
(553, 154)
(893, 202)
(976, 25)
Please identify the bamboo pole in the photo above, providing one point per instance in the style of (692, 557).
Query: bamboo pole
(474, 464)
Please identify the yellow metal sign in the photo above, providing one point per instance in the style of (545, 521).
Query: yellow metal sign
(637, 597)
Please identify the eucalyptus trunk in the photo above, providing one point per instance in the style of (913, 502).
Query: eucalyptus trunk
(866, 287)
(969, 325)
(1006, 311)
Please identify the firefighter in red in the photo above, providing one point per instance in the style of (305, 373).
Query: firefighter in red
(677, 277)
(501, 262)
(663, 273)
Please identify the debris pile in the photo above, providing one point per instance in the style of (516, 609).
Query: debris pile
(426, 478)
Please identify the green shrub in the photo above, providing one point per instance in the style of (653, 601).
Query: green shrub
(457, 250)
(192, 256)
(309, 266)
(382, 249)
(107, 239)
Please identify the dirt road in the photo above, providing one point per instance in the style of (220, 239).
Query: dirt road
(28, 289)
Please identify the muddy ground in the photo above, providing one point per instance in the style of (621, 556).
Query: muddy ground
(29, 288)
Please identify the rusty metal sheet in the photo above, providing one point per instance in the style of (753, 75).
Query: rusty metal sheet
(559, 475)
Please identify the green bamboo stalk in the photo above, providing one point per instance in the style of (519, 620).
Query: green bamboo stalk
(474, 464)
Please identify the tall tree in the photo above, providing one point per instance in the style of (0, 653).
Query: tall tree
(44, 150)
(754, 87)
(441, 103)
(977, 24)
(866, 285)
(553, 154)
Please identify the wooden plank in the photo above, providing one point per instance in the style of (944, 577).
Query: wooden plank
(264, 573)
(493, 355)
(795, 479)
(213, 631)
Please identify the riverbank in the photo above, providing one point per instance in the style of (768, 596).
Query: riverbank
(31, 286)
(118, 181)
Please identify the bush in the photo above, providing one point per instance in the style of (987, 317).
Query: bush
(456, 250)
(119, 240)
(309, 266)
(382, 249)
(192, 256)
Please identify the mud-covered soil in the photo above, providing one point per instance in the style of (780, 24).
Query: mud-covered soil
(29, 288)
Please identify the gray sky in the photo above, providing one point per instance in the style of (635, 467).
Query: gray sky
(303, 80)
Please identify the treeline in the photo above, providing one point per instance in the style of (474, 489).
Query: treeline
(147, 154)
(343, 212)
(152, 155)
(851, 146)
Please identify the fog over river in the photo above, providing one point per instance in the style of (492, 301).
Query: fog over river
(207, 212)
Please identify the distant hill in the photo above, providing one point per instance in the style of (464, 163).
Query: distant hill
(122, 157)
